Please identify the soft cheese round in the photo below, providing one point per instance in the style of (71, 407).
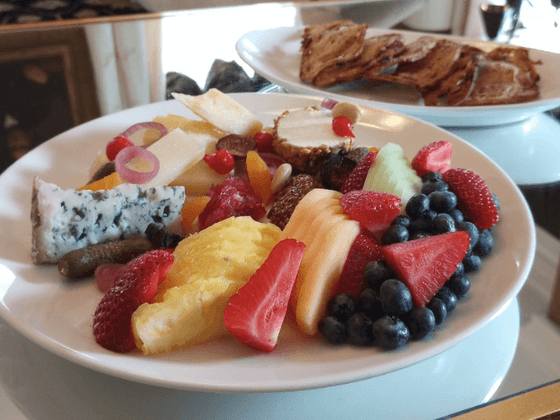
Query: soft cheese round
(304, 137)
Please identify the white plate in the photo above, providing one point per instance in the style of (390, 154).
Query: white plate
(275, 54)
(48, 387)
(58, 316)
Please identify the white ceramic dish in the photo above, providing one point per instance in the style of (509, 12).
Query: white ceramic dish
(46, 386)
(58, 316)
(275, 54)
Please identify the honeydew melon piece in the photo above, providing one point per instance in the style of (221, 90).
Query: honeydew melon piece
(392, 173)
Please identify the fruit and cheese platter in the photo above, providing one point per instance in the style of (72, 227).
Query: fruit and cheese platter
(200, 334)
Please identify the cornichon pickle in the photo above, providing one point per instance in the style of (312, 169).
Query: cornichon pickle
(83, 262)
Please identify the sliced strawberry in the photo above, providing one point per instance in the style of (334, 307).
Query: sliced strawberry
(473, 196)
(425, 264)
(233, 197)
(356, 179)
(136, 284)
(435, 157)
(256, 313)
(365, 248)
(374, 210)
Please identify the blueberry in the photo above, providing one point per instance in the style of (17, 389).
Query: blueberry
(421, 322)
(442, 201)
(431, 186)
(472, 263)
(485, 244)
(496, 201)
(333, 330)
(369, 303)
(375, 273)
(439, 309)
(419, 235)
(459, 270)
(443, 223)
(341, 306)
(431, 176)
(429, 215)
(359, 328)
(419, 225)
(416, 205)
(447, 297)
(459, 284)
(396, 298)
(394, 234)
(390, 332)
(472, 230)
(457, 215)
(402, 220)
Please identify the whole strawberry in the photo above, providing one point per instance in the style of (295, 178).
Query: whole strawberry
(355, 181)
(136, 284)
(474, 198)
(373, 210)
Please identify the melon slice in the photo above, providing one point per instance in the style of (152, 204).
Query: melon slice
(392, 173)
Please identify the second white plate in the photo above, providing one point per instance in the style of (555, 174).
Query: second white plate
(275, 54)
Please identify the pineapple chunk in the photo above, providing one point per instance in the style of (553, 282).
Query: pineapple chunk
(210, 267)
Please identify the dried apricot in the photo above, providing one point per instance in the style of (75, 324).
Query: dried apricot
(259, 175)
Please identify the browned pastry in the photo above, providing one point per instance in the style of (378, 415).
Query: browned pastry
(377, 51)
(426, 72)
(498, 83)
(325, 45)
(455, 87)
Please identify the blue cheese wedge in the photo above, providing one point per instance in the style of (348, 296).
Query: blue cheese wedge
(66, 220)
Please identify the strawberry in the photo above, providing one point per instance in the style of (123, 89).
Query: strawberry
(233, 197)
(355, 181)
(374, 210)
(435, 157)
(136, 284)
(256, 313)
(424, 265)
(474, 198)
(365, 248)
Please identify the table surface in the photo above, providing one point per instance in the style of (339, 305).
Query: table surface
(537, 360)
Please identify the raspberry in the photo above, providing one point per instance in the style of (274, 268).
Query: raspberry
(233, 197)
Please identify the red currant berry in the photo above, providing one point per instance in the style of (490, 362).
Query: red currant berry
(222, 161)
(116, 145)
(264, 142)
(342, 126)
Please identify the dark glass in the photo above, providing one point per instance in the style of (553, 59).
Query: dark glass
(493, 18)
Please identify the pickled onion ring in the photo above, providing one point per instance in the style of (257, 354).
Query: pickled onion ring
(130, 175)
(328, 103)
(137, 127)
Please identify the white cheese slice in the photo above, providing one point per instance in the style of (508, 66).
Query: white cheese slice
(177, 151)
(222, 112)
